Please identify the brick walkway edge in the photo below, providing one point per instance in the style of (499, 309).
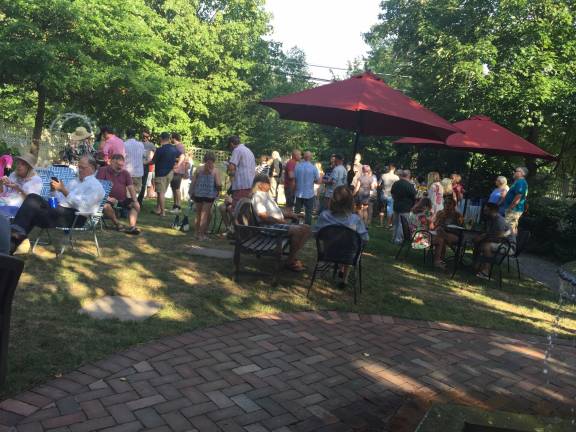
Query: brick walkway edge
(305, 371)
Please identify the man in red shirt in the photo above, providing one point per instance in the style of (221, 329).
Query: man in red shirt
(290, 179)
(121, 186)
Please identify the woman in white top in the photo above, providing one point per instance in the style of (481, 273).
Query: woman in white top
(22, 182)
(435, 192)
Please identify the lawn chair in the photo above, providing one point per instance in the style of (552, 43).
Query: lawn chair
(338, 245)
(45, 174)
(409, 238)
(256, 240)
(63, 173)
(10, 271)
(522, 240)
(92, 224)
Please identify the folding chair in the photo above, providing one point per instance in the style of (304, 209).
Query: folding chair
(92, 223)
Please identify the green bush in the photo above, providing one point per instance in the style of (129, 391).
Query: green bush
(553, 227)
(4, 149)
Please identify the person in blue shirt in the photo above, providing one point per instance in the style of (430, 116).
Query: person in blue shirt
(515, 201)
(306, 175)
(164, 160)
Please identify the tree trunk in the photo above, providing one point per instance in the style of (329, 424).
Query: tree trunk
(39, 119)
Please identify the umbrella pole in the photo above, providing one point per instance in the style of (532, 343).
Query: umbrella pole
(351, 173)
(467, 191)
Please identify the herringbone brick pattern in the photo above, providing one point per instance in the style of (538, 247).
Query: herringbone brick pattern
(300, 372)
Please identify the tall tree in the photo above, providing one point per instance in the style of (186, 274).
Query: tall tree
(513, 60)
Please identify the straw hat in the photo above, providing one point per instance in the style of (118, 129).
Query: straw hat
(30, 159)
(80, 134)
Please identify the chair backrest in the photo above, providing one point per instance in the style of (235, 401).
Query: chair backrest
(63, 173)
(405, 229)
(522, 240)
(10, 271)
(244, 214)
(95, 218)
(44, 174)
(338, 244)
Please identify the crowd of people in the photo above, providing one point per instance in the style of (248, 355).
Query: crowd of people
(337, 194)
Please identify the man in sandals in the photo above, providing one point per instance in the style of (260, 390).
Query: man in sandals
(268, 213)
(122, 186)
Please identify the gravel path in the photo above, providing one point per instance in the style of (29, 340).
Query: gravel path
(539, 269)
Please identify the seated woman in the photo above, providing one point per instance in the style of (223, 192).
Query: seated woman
(498, 195)
(16, 187)
(420, 224)
(448, 216)
(341, 212)
(268, 213)
(204, 189)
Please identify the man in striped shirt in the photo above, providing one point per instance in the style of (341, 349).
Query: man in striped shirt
(134, 159)
(242, 167)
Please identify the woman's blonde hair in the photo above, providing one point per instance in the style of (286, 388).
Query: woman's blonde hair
(433, 177)
(275, 155)
(447, 186)
(502, 181)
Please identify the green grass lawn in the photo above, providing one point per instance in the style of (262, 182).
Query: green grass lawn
(50, 338)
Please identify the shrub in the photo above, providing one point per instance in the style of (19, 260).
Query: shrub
(553, 227)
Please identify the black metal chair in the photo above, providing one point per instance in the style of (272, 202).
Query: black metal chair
(502, 252)
(522, 240)
(10, 271)
(339, 245)
(409, 238)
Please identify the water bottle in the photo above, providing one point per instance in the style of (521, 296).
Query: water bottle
(53, 201)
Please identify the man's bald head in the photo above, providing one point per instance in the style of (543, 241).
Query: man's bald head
(307, 156)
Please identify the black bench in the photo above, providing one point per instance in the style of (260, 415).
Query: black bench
(10, 271)
(256, 240)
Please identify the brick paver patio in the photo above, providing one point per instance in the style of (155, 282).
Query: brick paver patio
(301, 372)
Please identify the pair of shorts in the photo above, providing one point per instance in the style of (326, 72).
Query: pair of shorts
(137, 182)
(176, 181)
(203, 200)
(162, 183)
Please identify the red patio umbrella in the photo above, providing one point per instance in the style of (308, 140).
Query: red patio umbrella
(482, 135)
(365, 105)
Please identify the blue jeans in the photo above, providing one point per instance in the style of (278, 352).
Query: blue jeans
(308, 204)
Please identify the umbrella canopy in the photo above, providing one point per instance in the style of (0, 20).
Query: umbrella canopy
(364, 104)
(482, 135)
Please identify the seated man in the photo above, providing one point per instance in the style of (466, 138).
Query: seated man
(497, 230)
(82, 195)
(268, 213)
(121, 182)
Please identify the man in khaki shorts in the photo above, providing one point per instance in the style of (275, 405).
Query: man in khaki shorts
(164, 160)
(515, 201)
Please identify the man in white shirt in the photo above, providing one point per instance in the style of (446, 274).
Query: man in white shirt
(268, 213)
(242, 168)
(83, 195)
(386, 181)
(135, 157)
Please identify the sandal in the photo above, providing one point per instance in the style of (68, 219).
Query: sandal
(296, 266)
(132, 231)
(482, 275)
